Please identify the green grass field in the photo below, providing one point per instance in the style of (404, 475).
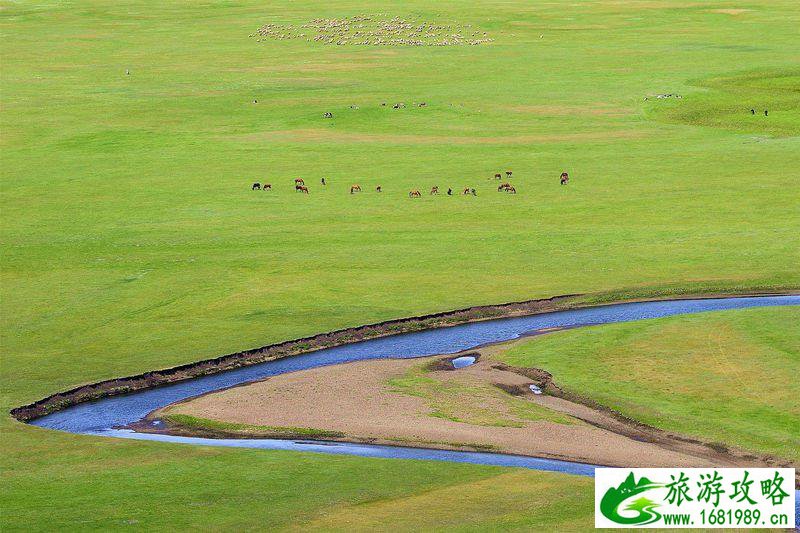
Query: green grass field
(131, 240)
(726, 377)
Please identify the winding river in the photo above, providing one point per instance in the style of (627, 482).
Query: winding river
(101, 417)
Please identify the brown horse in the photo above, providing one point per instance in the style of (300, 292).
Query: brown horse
(511, 189)
(435, 189)
(355, 188)
(414, 193)
(299, 181)
(266, 186)
(508, 173)
(564, 178)
(466, 191)
(256, 187)
(301, 188)
(503, 187)
(497, 176)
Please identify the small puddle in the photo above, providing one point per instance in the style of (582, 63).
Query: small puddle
(535, 389)
(461, 362)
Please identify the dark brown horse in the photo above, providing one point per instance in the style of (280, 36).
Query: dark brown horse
(435, 189)
(299, 181)
(256, 187)
(503, 187)
(266, 186)
(414, 193)
(497, 176)
(355, 188)
(508, 173)
(564, 178)
(301, 188)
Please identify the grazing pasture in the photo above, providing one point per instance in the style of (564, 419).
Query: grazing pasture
(132, 133)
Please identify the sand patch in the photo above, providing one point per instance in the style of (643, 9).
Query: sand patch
(363, 401)
(730, 11)
(564, 110)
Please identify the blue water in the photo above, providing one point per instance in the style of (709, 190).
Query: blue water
(100, 417)
(461, 362)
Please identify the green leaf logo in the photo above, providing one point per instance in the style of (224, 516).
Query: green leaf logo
(644, 507)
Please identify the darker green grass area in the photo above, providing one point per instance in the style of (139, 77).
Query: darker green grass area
(206, 425)
(764, 101)
(724, 377)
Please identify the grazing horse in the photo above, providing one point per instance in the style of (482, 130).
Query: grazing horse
(414, 193)
(472, 191)
(435, 189)
(511, 189)
(497, 176)
(328, 115)
(266, 186)
(564, 178)
(449, 191)
(378, 189)
(256, 187)
(355, 188)
(465, 191)
(323, 181)
(508, 173)
(299, 181)
(503, 187)
(301, 188)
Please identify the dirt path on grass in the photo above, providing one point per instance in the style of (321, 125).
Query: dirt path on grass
(422, 402)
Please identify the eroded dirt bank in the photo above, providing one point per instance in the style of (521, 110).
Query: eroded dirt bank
(125, 385)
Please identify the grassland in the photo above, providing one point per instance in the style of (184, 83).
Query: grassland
(727, 377)
(131, 240)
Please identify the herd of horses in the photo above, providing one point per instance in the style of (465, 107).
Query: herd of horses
(300, 186)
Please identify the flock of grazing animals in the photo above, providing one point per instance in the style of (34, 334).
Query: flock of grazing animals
(375, 30)
(300, 186)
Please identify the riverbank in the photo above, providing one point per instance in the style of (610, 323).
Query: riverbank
(148, 380)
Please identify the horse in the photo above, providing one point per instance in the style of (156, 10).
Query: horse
(511, 189)
(266, 186)
(378, 189)
(472, 191)
(449, 191)
(256, 187)
(328, 115)
(323, 181)
(414, 193)
(503, 187)
(508, 173)
(299, 181)
(355, 188)
(301, 188)
(497, 176)
(465, 191)
(435, 189)
(564, 178)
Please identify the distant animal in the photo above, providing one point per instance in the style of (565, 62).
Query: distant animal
(383, 104)
(564, 178)
(435, 189)
(301, 188)
(323, 181)
(422, 104)
(497, 176)
(449, 191)
(472, 191)
(255, 101)
(127, 72)
(766, 113)
(378, 189)
(299, 181)
(266, 186)
(256, 187)
(328, 114)
(508, 173)
(355, 188)
(465, 191)
(503, 186)
(414, 193)
(511, 190)
(752, 111)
